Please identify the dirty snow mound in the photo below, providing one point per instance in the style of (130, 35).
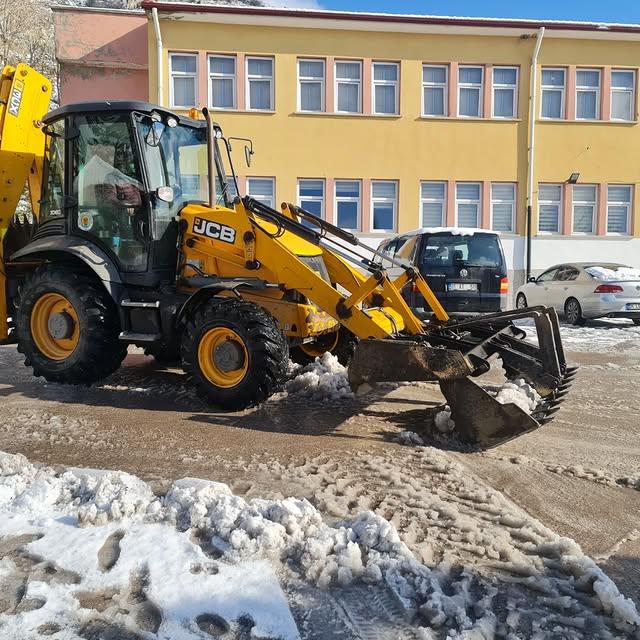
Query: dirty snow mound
(520, 393)
(325, 379)
(443, 421)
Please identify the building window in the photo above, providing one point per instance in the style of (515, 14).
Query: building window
(222, 82)
(348, 87)
(348, 204)
(503, 206)
(260, 84)
(505, 92)
(584, 208)
(384, 204)
(433, 202)
(385, 88)
(468, 199)
(549, 208)
(262, 190)
(311, 93)
(553, 89)
(184, 79)
(435, 90)
(470, 91)
(587, 94)
(623, 95)
(619, 208)
(311, 196)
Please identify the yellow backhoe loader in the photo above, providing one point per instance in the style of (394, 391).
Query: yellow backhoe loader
(138, 238)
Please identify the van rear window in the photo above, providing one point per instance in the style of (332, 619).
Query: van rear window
(447, 250)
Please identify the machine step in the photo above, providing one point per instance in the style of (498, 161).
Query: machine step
(140, 304)
(130, 336)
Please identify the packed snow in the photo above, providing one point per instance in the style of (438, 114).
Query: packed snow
(520, 393)
(618, 274)
(90, 548)
(324, 379)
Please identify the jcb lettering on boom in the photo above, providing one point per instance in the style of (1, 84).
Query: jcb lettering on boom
(214, 230)
(15, 98)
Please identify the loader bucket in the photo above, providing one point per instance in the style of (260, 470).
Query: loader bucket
(454, 353)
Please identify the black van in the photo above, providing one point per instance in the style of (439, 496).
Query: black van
(465, 268)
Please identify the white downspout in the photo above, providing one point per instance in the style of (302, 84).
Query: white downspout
(159, 55)
(533, 114)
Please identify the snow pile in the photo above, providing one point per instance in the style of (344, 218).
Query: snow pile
(618, 274)
(409, 438)
(443, 421)
(325, 379)
(520, 393)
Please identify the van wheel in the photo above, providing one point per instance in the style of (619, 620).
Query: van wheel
(573, 312)
(521, 301)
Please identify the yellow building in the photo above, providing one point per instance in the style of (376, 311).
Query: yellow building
(386, 123)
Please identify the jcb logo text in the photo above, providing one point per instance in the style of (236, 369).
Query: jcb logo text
(16, 97)
(214, 230)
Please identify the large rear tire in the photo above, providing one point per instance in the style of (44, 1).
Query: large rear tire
(341, 344)
(67, 327)
(235, 353)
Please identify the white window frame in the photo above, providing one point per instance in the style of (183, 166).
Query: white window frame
(337, 199)
(273, 189)
(437, 85)
(442, 202)
(338, 81)
(385, 83)
(512, 202)
(552, 87)
(467, 85)
(270, 78)
(477, 202)
(320, 199)
(632, 91)
(181, 74)
(234, 77)
(385, 200)
(628, 205)
(515, 88)
(593, 203)
(312, 80)
(586, 89)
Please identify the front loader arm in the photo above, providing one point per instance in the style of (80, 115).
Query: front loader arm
(25, 96)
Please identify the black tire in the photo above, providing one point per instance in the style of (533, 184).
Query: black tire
(266, 349)
(98, 353)
(636, 321)
(343, 349)
(521, 301)
(573, 312)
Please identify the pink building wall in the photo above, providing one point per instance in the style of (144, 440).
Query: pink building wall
(102, 54)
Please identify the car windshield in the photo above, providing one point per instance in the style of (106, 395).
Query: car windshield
(179, 160)
(473, 250)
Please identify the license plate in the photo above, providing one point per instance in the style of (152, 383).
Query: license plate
(462, 286)
(633, 306)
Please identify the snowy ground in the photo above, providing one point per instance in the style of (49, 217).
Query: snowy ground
(384, 540)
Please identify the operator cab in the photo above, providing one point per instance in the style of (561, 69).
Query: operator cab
(118, 175)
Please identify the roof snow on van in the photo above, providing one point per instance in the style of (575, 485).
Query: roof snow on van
(454, 231)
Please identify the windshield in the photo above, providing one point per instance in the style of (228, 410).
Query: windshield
(474, 250)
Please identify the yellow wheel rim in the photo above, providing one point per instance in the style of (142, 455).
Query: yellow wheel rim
(54, 326)
(223, 357)
(321, 345)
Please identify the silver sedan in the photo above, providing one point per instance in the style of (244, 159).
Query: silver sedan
(585, 290)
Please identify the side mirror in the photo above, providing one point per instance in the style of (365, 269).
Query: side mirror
(155, 133)
(532, 279)
(248, 152)
(165, 194)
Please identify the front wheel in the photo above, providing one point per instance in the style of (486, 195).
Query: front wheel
(342, 344)
(235, 353)
(521, 301)
(67, 327)
(573, 312)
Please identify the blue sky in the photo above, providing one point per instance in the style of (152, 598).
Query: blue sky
(608, 11)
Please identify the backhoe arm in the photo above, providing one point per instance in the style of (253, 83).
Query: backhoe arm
(25, 95)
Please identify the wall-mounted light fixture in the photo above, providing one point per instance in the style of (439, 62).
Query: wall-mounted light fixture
(573, 178)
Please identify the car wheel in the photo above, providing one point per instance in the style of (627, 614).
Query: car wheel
(521, 301)
(573, 312)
